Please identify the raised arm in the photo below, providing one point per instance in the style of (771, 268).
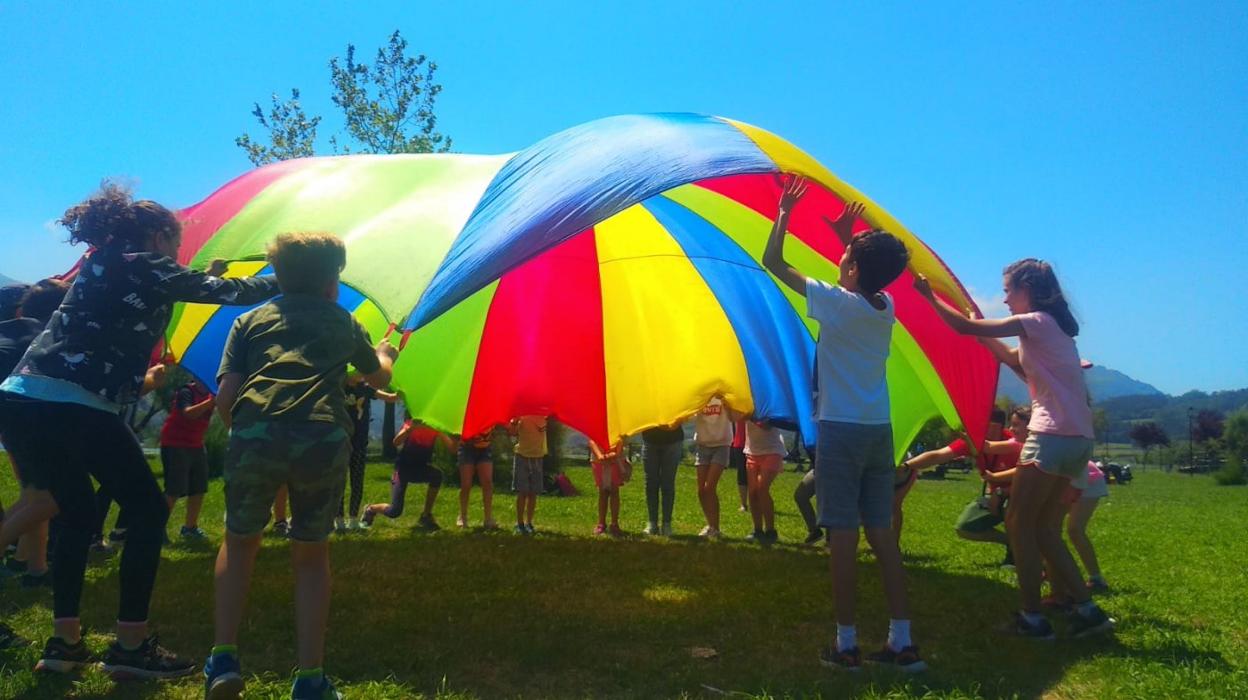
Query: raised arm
(1007, 355)
(181, 283)
(386, 354)
(200, 409)
(931, 458)
(773, 254)
(401, 437)
(989, 328)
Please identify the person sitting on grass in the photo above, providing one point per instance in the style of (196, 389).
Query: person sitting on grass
(414, 465)
(611, 471)
(282, 397)
(1059, 442)
(87, 364)
(182, 453)
(854, 445)
(764, 460)
(527, 472)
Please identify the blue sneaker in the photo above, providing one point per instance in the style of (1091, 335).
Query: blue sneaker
(314, 689)
(223, 677)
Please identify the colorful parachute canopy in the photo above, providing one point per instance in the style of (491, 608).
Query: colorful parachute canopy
(608, 275)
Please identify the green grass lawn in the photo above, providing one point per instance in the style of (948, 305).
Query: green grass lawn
(565, 614)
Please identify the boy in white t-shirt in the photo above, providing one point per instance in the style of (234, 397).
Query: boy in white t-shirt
(854, 448)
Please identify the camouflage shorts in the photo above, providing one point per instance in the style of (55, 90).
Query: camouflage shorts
(309, 457)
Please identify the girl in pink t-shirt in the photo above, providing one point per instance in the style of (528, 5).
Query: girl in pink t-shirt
(1059, 442)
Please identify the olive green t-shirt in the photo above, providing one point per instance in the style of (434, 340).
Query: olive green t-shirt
(293, 354)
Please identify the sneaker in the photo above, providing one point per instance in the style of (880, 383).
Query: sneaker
(600, 529)
(62, 657)
(1042, 630)
(905, 660)
(117, 536)
(1089, 624)
(461, 523)
(743, 509)
(363, 525)
(369, 516)
(1056, 604)
(771, 537)
(150, 660)
(519, 529)
(10, 639)
(13, 565)
(848, 660)
(42, 580)
(714, 534)
(223, 677)
(99, 546)
(281, 528)
(705, 532)
(340, 525)
(666, 531)
(815, 537)
(756, 537)
(529, 529)
(490, 525)
(615, 531)
(427, 522)
(651, 529)
(192, 534)
(314, 689)
(1097, 586)
(1008, 562)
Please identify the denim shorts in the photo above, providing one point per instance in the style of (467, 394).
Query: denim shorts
(854, 475)
(1059, 455)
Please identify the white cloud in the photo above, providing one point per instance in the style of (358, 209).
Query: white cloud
(991, 306)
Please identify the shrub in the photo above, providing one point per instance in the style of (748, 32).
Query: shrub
(1232, 473)
(215, 442)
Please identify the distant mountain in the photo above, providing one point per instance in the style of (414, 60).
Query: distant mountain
(1103, 383)
(6, 280)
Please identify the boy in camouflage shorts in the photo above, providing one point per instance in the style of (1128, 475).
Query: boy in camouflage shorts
(281, 395)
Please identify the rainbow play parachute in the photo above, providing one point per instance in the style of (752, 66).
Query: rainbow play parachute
(608, 275)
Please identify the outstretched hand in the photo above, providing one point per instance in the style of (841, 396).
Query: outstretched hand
(924, 287)
(843, 225)
(794, 190)
(388, 350)
(217, 268)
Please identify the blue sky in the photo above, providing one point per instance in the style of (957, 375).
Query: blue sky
(1108, 138)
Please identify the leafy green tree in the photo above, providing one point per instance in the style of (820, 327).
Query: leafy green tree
(388, 107)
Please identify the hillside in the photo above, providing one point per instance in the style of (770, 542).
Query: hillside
(1103, 383)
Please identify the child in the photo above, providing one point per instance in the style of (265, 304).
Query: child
(26, 522)
(87, 364)
(663, 448)
(476, 457)
(414, 465)
(282, 397)
(1081, 511)
(854, 445)
(182, 453)
(359, 409)
(526, 475)
(764, 459)
(712, 438)
(736, 461)
(1059, 442)
(610, 473)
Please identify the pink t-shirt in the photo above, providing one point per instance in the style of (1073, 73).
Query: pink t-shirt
(1059, 396)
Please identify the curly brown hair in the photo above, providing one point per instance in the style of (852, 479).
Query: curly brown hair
(306, 263)
(112, 218)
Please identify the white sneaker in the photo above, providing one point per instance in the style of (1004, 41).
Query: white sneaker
(705, 532)
(340, 525)
(667, 530)
(461, 523)
(651, 529)
(714, 534)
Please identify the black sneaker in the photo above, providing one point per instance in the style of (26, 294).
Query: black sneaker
(1042, 630)
(150, 660)
(61, 657)
(905, 660)
(10, 639)
(1089, 624)
(848, 660)
(1008, 561)
(30, 580)
(14, 565)
(281, 528)
(1097, 586)
(117, 536)
(756, 537)
(771, 537)
(428, 523)
(815, 537)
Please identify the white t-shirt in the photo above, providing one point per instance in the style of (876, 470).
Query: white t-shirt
(761, 440)
(713, 427)
(854, 338)
(1059, 394)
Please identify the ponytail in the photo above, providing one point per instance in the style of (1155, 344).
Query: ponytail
(112, 219)
(1038, 278)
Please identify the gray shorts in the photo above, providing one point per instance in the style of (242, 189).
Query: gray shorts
(1059, 455)
(854, 475)
(706, 456)
(526, 474)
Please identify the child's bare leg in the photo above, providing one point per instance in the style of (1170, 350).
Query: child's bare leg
(710, 505)
(844, 565)
(312, 587)
(899, 497)
(1077, 528)
(431, 497)
(531, 508)
(35, 506)
(1062, 566)
(485, 471)
(615, 507)
(32, 548)
(1029, 491)
(235, 562)
(465, 489)
(884, 543)
(521, 498)
(766, 504)
(279, 503)
(756, 513)
(194, 504)
(603, 498)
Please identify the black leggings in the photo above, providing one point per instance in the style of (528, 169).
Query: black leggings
(359, 457)
(69, 443)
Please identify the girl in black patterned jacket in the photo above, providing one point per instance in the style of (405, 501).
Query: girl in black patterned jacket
(59, 410)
